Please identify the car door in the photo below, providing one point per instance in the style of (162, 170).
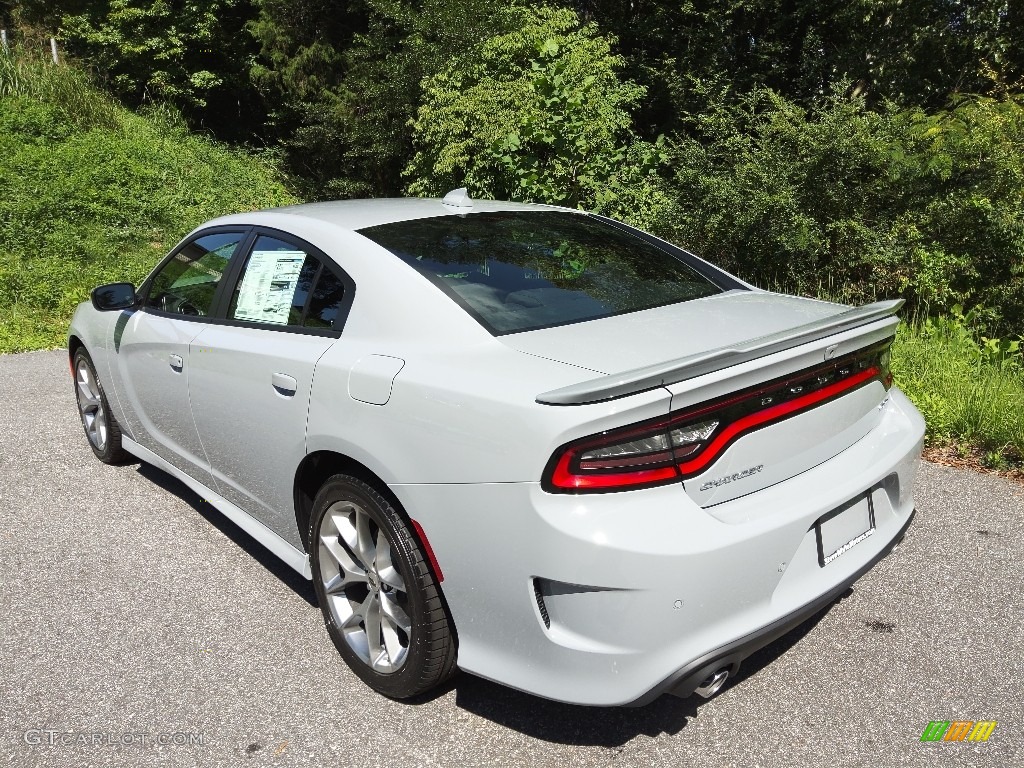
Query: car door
(250, 375)
(151, 347)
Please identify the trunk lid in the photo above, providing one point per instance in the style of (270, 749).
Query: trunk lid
(624, 342)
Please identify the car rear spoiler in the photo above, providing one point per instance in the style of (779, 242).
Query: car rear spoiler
(689, 367)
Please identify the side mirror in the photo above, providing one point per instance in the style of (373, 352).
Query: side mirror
(114, 296)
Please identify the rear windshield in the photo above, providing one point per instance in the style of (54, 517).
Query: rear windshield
(523, 270)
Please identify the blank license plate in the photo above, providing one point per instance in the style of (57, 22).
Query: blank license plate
(843, 528)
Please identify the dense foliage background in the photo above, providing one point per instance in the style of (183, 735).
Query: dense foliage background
(864, 147)
(852, 150)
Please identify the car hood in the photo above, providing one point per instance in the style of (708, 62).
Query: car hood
(623, 342)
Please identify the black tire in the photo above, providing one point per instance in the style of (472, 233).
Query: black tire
(398, 663)
(101, 428)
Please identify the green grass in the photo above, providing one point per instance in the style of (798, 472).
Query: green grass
(93, 193)
(969, 398)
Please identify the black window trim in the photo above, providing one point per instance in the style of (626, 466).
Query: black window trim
(223, 298)
(309, 296)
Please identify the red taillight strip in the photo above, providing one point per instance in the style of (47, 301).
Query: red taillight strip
(754, 420)
(561, 477)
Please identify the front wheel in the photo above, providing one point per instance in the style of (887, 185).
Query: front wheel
(101, 428)
(379, 597)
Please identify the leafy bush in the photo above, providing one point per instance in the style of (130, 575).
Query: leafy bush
(95, 193)
(536, 114)
(882, 202)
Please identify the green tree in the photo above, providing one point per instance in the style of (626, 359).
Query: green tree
(911, 52)
(193, 55)
(298, 72)
(539, 113)
(345, 81)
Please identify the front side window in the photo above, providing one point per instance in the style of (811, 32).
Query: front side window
(284, 285)
(522, 270)
(186, 284)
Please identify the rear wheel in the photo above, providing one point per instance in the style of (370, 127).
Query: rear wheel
(101, 428)
(379, 597)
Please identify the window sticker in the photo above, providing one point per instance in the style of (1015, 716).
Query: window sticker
(268, 286)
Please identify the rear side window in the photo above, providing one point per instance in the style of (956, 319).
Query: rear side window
(522, 270)
(282, 284)
(325, 301)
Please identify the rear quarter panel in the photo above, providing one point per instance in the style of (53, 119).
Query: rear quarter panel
(457, 416)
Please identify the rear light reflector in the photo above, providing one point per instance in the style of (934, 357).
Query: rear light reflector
(684, 444)
(428, 550)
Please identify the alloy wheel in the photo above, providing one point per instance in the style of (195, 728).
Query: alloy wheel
(90, 405)
(366, 595)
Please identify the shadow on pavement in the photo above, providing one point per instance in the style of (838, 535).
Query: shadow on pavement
(609, 727)
(257, 551)
(600, 726)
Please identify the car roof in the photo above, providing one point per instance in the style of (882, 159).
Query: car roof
(359, 214)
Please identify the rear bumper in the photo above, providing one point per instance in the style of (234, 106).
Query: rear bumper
(613, 599)
(685, 681)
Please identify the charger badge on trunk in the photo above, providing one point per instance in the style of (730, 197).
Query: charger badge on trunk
(730, 478)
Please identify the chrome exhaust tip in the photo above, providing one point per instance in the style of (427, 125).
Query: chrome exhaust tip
(713, 684)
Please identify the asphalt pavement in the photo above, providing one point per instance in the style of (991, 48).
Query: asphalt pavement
(138, 627)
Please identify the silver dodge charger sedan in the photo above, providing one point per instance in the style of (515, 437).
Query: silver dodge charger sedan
(528, 442)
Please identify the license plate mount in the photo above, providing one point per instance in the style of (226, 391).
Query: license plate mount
(840, 530)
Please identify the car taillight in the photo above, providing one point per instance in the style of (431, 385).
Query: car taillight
(685, 443)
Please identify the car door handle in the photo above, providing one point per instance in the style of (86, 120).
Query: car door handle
(176, 363)
(283, 384)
